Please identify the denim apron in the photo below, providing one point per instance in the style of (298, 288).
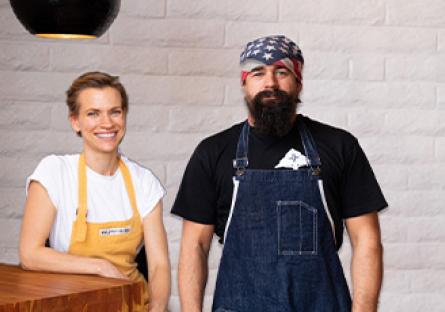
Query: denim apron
(279, 253)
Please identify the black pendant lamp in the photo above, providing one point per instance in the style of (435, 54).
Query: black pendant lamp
(67, 19)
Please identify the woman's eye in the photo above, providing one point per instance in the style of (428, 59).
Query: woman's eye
(116, 112)
(92, 114)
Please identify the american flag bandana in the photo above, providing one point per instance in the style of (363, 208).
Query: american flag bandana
(271, 50)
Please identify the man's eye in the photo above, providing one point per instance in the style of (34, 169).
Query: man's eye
(116, 112)
(282, 73)
(92, 114)
(257, 74)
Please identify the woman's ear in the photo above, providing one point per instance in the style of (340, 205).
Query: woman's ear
(74, 123)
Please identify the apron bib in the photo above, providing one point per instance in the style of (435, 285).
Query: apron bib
(279, 253)
(115, 241)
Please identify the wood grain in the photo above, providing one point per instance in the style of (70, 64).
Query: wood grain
(28, 291)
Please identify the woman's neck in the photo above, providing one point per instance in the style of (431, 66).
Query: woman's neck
(102, 163)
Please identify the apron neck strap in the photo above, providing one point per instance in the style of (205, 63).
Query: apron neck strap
(241, 162)
(82, 170)
(308, 144)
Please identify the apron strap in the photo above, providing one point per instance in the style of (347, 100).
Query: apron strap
(129, 186)
(309, 146)
(80, 224)
(241, 162)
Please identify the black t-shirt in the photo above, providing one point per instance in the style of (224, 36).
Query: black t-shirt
(205, 193)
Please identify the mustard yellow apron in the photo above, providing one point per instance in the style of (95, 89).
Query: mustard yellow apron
(115, 241)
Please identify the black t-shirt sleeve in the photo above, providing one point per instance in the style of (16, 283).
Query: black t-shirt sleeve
(361, 192)
(196, 198)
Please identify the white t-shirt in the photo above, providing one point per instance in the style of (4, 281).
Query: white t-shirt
(107, 197)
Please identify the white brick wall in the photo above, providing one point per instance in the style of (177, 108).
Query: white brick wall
(374, 67)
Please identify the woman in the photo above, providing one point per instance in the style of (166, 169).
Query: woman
(97, 207)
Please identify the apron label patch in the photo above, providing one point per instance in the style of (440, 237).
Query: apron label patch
(114, 231)
(293, 159)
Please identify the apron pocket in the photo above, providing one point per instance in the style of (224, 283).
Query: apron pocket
(297, 228)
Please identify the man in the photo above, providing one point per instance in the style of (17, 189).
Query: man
(295, 181)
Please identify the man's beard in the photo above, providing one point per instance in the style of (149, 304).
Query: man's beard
(273, 116)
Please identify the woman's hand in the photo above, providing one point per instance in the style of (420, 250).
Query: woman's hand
(106, 269)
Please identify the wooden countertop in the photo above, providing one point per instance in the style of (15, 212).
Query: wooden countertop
(30, 291)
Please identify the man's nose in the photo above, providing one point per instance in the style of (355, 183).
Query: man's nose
(270, 80)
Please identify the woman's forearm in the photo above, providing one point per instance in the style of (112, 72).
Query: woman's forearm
(50, 260)
(159, 288)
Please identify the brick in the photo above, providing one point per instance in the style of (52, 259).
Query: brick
(369, 12)
(382, 151)
(431, 281)
(333, 117)
(370, 94)
(412, 302)
(143, 8)
(248, 10)
(368, 67)
(174, 304)
(175, 172)
(14, 172)
(440, 150)
(160, 146)
(207, 62)
(174, 90)
(367, 39)
(400, 230)
(427, 177)
(396, 281)
(24, 57)
(173, 227)
(392, 176)
(415, 122)
(419, 67)
(404, 203)
(30, 116)
(172, 190)
(38, 143)
(172, 32)
(233, 94)
(33, 86)
(10, 27)
(416, 13)
(205, 119)
(12, 203)
(441, 41)
(414, 256)
(59, 117)
(116, 60)
(147, 118)
(10, 232)
(366, 122)
(9, 255)
(441, 97)
(325, 65)
(238, 34)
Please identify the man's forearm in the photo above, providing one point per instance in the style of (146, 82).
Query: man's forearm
(367, 273)
(193, 272)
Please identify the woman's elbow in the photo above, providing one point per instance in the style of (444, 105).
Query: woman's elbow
(27, 259)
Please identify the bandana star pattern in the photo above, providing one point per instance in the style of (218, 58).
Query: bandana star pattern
(272, 50)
